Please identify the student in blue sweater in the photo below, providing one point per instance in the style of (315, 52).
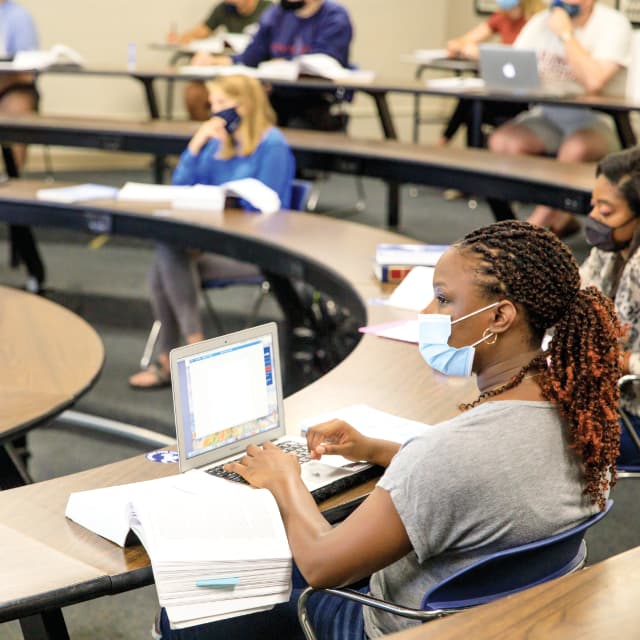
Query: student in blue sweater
(289, 29)
(238, 141)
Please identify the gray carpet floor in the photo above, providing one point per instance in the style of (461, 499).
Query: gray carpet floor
(108, 287)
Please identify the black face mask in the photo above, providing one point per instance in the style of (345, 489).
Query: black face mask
(292, 5)
(600, 235)
(230, 117)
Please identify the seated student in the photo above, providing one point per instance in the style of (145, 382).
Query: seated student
(586, 44)
(235, 16)
(18, 95)
(523, 461)
(506, 24)
(613, 229)
(289, 29)
(238, 141)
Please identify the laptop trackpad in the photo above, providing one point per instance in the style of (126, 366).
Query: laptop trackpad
(315, 474)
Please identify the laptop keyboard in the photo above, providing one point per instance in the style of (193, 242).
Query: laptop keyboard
(302, 453)
(299, 448)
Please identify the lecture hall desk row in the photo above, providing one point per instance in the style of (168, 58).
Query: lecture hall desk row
(498, 178)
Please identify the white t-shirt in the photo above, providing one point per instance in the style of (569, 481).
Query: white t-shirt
(606, 36)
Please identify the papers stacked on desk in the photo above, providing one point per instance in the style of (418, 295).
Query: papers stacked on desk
(77, 193)
(218, 549)
(204, 197)
(59, 54)
(314, 64)
(394, 261)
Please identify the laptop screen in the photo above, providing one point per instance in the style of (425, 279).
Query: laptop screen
(227, 393)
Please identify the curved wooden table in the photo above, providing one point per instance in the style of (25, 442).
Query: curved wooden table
(49, 356)
(335, 255)
(597, 603)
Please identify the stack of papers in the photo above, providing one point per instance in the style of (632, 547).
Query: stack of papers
(394, 261)
(77, 193)
(204, 197)
(218, 549)
(59, 54)
(315, 64)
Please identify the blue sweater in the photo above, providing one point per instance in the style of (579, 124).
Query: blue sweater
(282, 34)
(18, 31)
(272, 163)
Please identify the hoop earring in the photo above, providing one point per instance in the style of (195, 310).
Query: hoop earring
(489, 341)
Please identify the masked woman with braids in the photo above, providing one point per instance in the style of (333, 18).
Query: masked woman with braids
(613, 265)
(532, 456)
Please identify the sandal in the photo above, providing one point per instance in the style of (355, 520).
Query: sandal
(155, 376)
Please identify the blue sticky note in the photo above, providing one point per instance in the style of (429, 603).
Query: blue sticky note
(218, 583)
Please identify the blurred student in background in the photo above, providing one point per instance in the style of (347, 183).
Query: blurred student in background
(613, 230)
(238, 141)
(506, 25)
(585, 45)
(19, 95)
(289, 29)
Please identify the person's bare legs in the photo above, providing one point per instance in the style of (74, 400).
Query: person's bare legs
(584, 145)
(196, 100)
(13, 104)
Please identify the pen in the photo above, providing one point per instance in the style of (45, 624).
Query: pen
(218, 583)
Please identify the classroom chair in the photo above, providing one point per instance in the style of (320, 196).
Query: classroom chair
(628, 385)
(499, 574)
(235, 273)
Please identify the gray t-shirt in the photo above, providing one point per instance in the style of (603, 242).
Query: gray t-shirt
(496, 476)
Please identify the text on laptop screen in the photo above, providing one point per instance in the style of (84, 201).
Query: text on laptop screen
(228, 394)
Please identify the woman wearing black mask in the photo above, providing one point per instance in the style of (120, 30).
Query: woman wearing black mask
(613, 230)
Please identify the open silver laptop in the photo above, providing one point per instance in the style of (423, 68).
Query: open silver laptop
(505, 69)
(227, 394)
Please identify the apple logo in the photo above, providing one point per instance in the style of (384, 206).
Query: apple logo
(509, 71)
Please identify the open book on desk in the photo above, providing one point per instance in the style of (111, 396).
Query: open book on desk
(318, 65)
(218, 549)
(204, 197)
(58, 55)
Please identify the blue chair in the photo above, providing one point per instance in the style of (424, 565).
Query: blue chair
(219, 272)
(627, 385)
(499, 574)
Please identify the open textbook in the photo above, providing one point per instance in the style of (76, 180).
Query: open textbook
(59, 54)
(312, 64)
(202, 196)
(218, 549)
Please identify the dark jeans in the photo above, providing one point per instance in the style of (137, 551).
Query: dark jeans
(629, 452)
(308, 110)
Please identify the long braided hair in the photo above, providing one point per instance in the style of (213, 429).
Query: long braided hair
(533, 269)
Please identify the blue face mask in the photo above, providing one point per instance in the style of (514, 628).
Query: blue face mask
(434, 330)
(230, 117)
(572, 9)
(505, 5)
